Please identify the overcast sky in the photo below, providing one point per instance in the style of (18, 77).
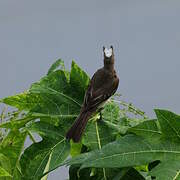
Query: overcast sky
(145, 35)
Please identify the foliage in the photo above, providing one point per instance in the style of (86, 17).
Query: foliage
(123, 145)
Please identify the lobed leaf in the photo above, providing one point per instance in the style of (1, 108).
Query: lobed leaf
(146, 129)
(79, 81)
(97, 134)
(11, 147)
(4, 173)
(167, 170)
(45, 156)
(169, 123)
(17, 124)
(129, 151)
(58, 63)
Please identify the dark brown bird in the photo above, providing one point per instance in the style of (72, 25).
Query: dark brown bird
(102, 86)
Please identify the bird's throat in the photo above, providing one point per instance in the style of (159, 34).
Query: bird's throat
(109, 66)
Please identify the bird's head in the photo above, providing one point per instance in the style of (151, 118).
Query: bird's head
(108, 55)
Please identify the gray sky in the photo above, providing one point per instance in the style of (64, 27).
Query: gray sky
(145, 35)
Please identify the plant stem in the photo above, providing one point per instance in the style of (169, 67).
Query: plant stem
(131, 108)
(31, 136)
(99, 144)
(3, 113)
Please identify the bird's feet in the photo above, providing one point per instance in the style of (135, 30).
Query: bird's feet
(100, 112)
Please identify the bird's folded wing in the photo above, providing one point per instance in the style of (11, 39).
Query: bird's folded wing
(94, 98)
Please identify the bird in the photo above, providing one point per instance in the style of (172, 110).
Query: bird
(102, 86)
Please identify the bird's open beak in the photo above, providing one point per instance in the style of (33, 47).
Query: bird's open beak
(108, 52)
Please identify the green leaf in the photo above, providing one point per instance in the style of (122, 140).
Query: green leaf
(12, 147)
(53, 94)
(94, 139)
(23, 101)
(50, 98)
(112, 117)
(55, 65)
(146, 129)
(53, 98)
(55, 101)
(167, 170)
(97, 174)
(129, 151)
(40, 155)
(89, 173)
(100, 132)
(46, 130)
(5, 166)
(111, 112)
(45, 156)
(79, 81)
(58, 94)
(75, 173)
(170, 124)
(4, 173)
(97, 134)
(121, 173)
(117, 119)
(128, 174)
(16, 124)
(75, 148)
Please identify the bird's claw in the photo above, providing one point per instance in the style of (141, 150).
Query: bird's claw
(100, 113)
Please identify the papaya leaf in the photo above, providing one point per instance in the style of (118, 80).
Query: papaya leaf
(75, 173)
(128, 174)
(100, 132)
(97, 134)
(129, 151)
(75, 148)
(146, 129)
(166, 170)
(105, 152)
(58, 63)
(59, 102)
(16, 124)
(79, 81)
(53, 94)
(117, 119)
(60, 97)
(46, 130)
(11, 147)
(121, 174)
(112, 117)
(23, 101)
(54, 91)
(42, 157)
(45, 156)
(169, 123)
(4, 173)
(5, 166)
(111, 112)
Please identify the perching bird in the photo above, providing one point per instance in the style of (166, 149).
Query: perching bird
(102, 86)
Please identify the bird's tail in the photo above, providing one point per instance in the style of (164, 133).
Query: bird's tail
(75, 132)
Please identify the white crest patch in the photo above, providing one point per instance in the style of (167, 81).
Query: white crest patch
(108, 52)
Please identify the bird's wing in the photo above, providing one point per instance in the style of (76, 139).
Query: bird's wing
(93, 98)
